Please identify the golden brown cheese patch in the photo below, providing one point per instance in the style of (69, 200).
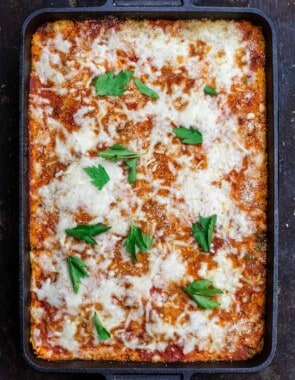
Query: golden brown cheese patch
(143, 305)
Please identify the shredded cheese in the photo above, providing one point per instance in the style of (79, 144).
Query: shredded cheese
(143, 305)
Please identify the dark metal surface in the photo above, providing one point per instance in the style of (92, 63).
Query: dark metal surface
(186, 11)
(12, 365)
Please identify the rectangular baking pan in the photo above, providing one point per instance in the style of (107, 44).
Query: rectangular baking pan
(154, 9)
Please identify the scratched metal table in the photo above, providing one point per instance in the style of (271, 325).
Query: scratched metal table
(12, 13)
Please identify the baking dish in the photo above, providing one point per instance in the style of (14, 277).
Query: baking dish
(177, 10)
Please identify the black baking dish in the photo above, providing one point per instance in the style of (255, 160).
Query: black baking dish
(175, 10)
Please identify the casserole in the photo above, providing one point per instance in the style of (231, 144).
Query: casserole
(269, 190)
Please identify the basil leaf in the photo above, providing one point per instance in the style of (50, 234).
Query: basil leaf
(145, 90)
(118, 152)
(98, 175)
(197, 285)
(111, 84)
(200, 292)
(200, 236)
(148, 241)
(136, 238)
(132, 163)
(102, 332)
(189, 136)
(143, 242)
(209, 292)
(210, 228)
(210, 91)
(130, 244)
(87, 231)
(204, 230)
(77, 269)
(204, 302)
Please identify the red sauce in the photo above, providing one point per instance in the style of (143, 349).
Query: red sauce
(173, 353)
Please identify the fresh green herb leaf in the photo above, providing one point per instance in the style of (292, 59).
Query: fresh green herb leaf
(148, 242)
(145, 90)
(203, 231)
(205, 302)
(130, 243)
(143, 242)
(200, 292)
(77, 269)
(209, 292)
(132, 163)
(198, 285)
(189, 135)
(209, 227)
(118, 152)
(200, 236)
(136, 238)
(87, 231)
(111, 84)
(98, 175)
(103, 333)
(210, 91)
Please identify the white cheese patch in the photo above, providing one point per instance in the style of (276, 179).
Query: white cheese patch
(172, 267)
(46, 67)
(37, 313)
(61, 44)
(224, 277)
(67, 339)
(74, 191)
(196, 190)
(104, 291)
(36, 335)
(59, 292)
(205, 199)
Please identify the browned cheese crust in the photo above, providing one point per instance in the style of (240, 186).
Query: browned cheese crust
(143, 305)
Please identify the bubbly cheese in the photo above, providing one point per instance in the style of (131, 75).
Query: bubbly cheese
(143, 304)
(67, 339)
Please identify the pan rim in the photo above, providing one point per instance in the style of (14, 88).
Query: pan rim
(188, 368)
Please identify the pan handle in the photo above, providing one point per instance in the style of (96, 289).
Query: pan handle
(148, 3)
(220, 3)
(156, 4)
(156, 376)
(138, 4)
(179, 3)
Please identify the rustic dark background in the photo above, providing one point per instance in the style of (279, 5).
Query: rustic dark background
(12, 14)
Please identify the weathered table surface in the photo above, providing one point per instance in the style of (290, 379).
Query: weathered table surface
(12, 13)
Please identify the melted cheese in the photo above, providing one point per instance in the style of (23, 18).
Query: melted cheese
(67, 339)
(142, 304)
